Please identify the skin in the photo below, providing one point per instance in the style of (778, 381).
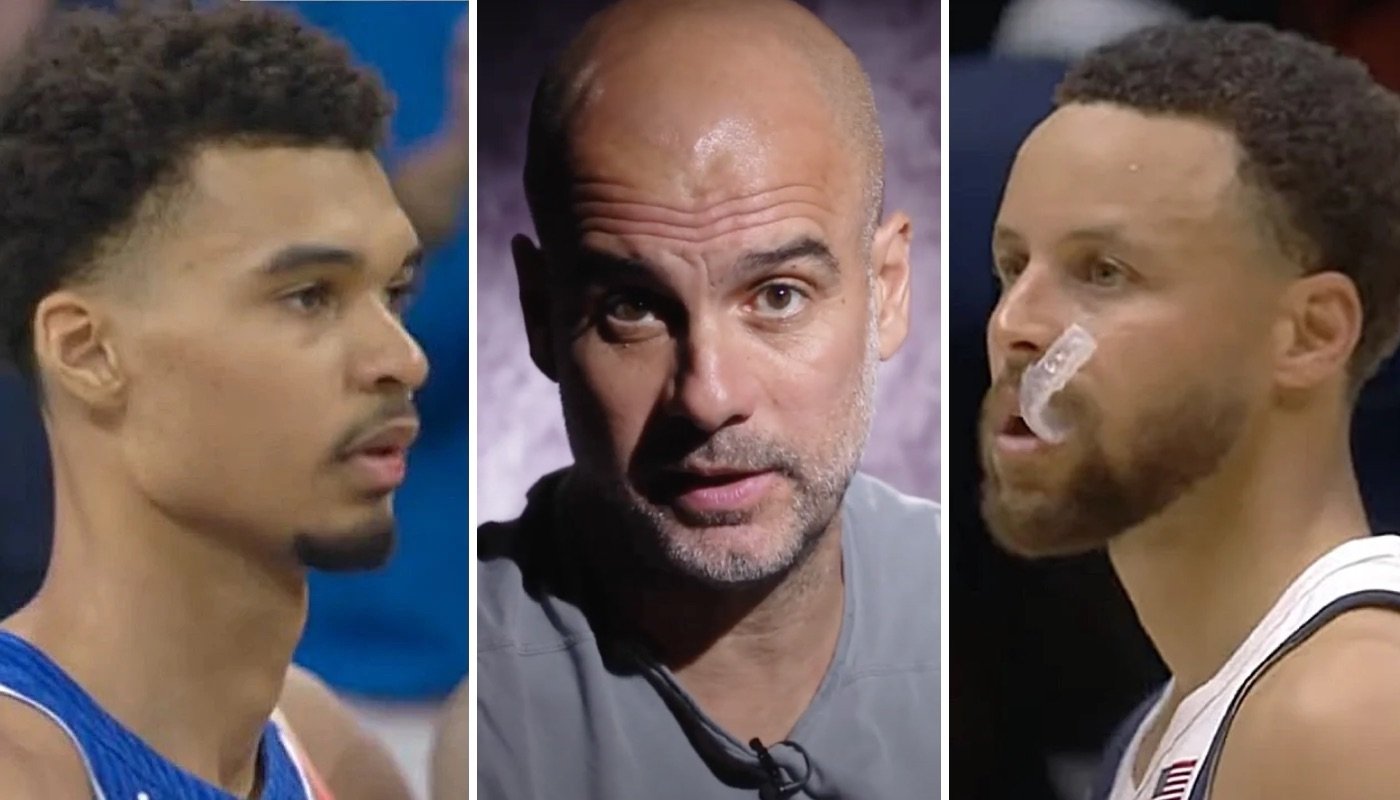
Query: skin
(451, 759)
(168, 382)
(1203, 562)
(431, 183)
(692, 351)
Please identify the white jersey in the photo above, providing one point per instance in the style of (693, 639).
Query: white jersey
(1358, 573)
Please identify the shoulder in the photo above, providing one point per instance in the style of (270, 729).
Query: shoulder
(351, 761)
(526, 589)
(870, 501)
(1325, 721)
(893, 527)
(451, 759)
(37, 760)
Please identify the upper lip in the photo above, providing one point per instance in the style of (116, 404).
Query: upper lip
(711, 473)
(1006, 409)
(394, 435)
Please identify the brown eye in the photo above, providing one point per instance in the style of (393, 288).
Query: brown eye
(1105, 274)
(628, 309)
(780, 301)
(310, 299)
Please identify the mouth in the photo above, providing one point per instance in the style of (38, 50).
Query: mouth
(717, 491)
(380, 458)
(1015, 437)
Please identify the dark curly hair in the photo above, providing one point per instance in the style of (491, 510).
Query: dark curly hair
(1320, 143)
(101, 110)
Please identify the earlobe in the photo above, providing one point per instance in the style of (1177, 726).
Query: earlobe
(531, 272)
(1324, 318)
(74, 351)
(890, 260)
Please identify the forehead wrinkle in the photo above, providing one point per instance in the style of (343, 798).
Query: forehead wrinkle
(696, 233)
(597, 190)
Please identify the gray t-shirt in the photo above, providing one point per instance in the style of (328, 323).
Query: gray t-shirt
(567, 714)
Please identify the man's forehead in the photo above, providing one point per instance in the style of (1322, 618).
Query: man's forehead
(239, 198)
(705, 136)
(1103, 165)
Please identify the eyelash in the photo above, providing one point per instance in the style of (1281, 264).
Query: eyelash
(1008, 271)
(399, 297)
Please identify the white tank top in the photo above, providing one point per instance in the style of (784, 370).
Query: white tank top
(1357, 573)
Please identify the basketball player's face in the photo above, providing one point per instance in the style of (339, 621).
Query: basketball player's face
(717, 336)
(1137, 228)
(270, 375)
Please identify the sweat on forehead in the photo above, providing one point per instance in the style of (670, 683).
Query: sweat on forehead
(702, 101)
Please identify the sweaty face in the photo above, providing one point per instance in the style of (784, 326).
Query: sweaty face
(270, 377)
(1138, 229)
(713, 328)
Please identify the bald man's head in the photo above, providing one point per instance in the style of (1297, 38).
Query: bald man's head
(686, 88)
(714, 287)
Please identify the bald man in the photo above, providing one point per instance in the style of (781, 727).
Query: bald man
(710, 602)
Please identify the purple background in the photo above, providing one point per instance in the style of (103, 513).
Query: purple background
(520, 427)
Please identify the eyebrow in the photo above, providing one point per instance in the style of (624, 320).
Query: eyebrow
(298, 257)
(804, 248)
(1103, 233)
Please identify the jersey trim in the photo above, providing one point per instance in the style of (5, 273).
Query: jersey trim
(1372, 598)
(67, 731)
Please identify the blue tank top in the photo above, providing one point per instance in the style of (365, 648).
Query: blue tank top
(119, 765)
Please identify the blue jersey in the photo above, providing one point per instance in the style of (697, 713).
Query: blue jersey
(119, 765)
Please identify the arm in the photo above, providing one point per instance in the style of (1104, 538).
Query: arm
(353, 764)
(431, 182)
(36, 759)
(452, 750)
(1325, 722)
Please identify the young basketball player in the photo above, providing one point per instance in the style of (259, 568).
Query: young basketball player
(202, 268)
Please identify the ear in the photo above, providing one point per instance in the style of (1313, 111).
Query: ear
(889, 257)
(532, 272)
(74, 350)
(1318, 330)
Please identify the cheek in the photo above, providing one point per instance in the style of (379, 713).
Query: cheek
(614, 389)
(206, 414)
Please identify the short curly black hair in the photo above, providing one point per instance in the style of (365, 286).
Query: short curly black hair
(101, 109)
(1320, 144)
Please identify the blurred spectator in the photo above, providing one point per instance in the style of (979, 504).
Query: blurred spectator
(1065, 29)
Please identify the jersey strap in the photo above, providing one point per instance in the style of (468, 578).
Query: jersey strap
(120, 765)
(1376, 598)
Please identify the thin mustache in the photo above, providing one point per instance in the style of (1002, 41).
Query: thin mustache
(395, 409)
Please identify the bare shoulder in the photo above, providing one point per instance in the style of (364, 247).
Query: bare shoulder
(452, 749)
(1325, 721)
(351, 761)
(36, 758)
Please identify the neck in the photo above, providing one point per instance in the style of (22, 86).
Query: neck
(1205, 572)
(753, 657)
(182, 639)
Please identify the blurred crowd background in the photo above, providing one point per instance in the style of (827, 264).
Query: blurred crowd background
(1047, 657)
(521, 431)
(393, 642)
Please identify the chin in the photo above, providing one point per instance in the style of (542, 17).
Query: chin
(358, 549)
(736, 555)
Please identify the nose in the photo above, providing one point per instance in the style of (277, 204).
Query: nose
(1030, 314)
(388, 355)
(715, 385)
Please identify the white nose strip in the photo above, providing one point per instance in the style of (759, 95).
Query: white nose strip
(1049, 375)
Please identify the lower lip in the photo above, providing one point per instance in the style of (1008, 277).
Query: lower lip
(736, 495)
(1021, 445)
(381, 472)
